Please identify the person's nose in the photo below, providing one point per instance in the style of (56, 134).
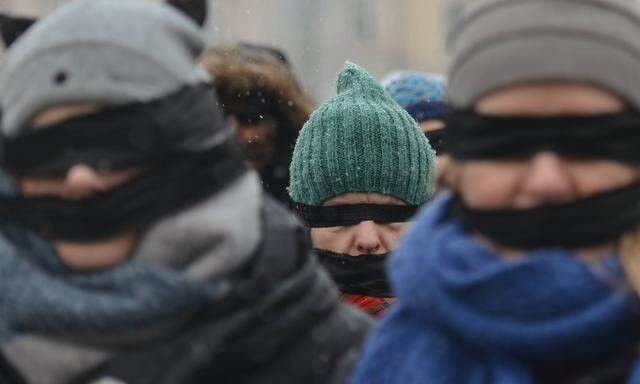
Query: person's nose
(81, 182)
(367, 238)
(547, 180)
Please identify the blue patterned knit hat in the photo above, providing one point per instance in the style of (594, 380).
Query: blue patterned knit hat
(420, 94)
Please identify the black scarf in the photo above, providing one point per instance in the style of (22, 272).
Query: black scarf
(583, 223)
(360, 275)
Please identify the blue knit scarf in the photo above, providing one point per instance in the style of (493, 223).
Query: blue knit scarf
(465, 315)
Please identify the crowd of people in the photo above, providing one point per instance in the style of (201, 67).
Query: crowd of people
(171, 213)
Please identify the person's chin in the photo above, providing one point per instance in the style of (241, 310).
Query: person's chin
(98, 255)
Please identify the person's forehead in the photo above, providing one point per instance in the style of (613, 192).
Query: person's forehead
(60, 113)
(550, 98)
(363, 198)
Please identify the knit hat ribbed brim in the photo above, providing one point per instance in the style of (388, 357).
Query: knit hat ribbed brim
(361, 141)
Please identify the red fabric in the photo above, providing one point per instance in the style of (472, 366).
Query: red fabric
(375, 306)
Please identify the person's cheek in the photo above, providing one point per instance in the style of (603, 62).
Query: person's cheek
(40, 186)
(489, 184)
(600, 176)
(332, 239)
(399, 229)
(392, 233)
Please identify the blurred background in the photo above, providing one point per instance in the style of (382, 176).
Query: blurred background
(319, 35)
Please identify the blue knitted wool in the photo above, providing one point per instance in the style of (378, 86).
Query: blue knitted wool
(465, 315)
(420, 94)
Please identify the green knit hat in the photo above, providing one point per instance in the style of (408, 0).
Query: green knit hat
(361, 141)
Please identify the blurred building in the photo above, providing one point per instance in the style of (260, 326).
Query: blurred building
(319, 35)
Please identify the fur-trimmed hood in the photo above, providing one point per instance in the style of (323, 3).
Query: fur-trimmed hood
(241, 73)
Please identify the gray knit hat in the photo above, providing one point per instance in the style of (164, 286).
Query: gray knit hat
(110, 52)
(505, 42)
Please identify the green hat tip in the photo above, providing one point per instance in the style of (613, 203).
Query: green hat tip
(354, 76)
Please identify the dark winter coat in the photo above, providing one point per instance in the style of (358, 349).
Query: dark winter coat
(278, 323)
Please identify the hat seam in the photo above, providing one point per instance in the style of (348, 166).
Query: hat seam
(394, 153)
(376, 135)
(311, 168)
(400, 186)
(333, 147)
(356, 135)
(413, 185)
(323, 163)
(420, 173)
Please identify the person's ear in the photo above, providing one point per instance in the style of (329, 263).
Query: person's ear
(194, 9)
(449, 172)
(12, 27)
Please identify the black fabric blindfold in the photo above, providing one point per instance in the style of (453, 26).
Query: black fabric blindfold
(471, 136)
(346, 215)
(185, 121)
(175, 183)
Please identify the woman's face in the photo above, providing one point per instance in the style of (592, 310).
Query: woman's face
(546, 177)
(366, 237)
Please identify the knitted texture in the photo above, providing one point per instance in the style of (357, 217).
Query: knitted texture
(421, 94)
(499, 43)
(466, 315)
(361, 141)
